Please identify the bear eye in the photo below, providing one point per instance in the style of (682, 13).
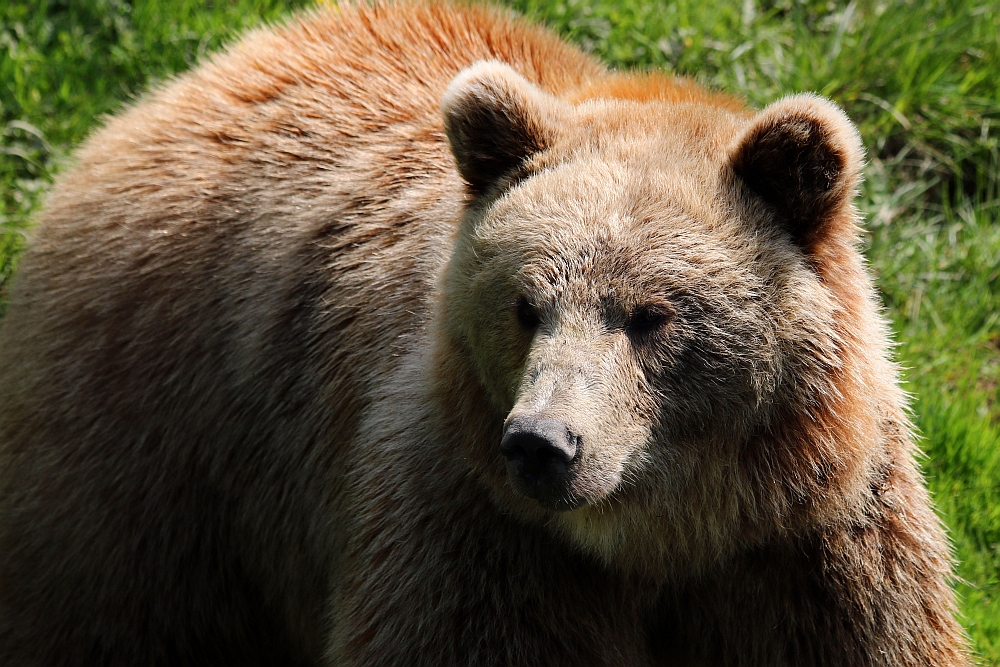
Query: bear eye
(527, 315)
(646, 319)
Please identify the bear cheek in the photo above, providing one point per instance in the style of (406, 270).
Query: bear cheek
(486, 322)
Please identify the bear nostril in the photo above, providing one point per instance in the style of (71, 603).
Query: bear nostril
(539, 449)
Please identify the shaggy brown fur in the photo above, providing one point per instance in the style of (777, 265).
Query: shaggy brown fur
(288, 332)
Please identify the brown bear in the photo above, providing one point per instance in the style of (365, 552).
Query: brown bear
(407, 334)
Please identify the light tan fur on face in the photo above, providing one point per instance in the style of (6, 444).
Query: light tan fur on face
(260, 356)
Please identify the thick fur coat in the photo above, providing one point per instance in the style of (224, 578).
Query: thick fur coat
(409, 335)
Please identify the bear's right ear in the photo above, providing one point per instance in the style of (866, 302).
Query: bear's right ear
(495, 120)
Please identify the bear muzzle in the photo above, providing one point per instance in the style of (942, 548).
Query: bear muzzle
(541, 454)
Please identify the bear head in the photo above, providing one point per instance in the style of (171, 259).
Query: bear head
(651, 312)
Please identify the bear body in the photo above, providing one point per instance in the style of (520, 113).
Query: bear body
(409, 335)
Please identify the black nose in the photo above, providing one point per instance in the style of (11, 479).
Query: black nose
(538, 449)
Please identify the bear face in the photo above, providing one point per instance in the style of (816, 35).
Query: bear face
(635, 294)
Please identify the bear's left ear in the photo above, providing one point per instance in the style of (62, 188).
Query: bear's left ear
(496, 119)
(803, 157)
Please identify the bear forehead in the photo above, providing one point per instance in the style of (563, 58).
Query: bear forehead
(621, 161)
(590, 195)
(592, 220)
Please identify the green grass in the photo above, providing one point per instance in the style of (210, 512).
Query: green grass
(921, 79)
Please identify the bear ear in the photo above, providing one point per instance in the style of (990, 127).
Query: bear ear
(803, 156)
(495, 119)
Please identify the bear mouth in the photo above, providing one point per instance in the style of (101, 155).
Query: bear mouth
(553, 497)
